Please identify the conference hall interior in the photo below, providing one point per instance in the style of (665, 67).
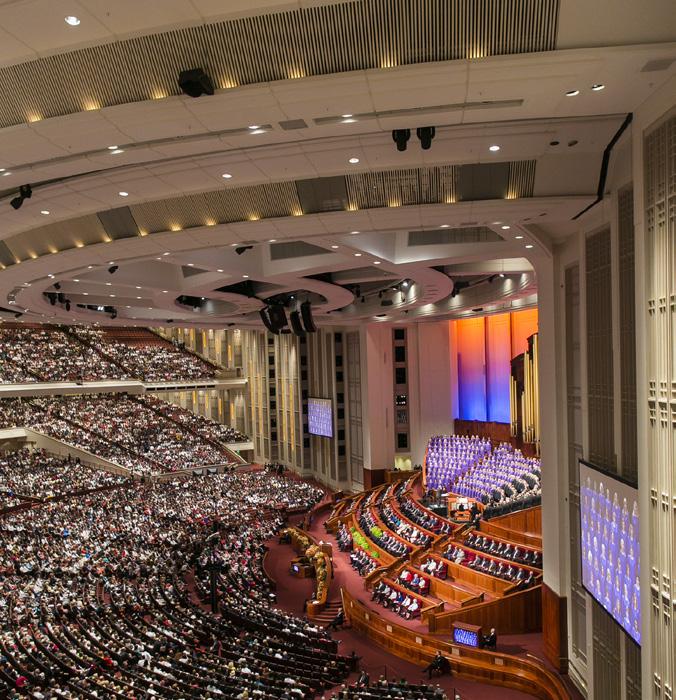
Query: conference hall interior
(337, 349)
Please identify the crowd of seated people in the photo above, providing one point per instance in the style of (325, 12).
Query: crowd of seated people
(450, 456)
(150, 360)
(362, 563)
(504, 550)
(40, 474)
(54, 354)
(382, 689)
(382, 538)
(50, 354)
(405, 530)
(505, 478)
(494, 567)
(421, 517)
(95, 601)
(144, 435)
(414, 582)
(344, 538)
(406, 606)
(434, 567)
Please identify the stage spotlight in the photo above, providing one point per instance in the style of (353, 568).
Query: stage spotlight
(401, 137)
(425, 134)
(57, 285)
(195, 82)
(25, 192)
(243, 249)
(52, 298)
(61, 297)
(113, 268)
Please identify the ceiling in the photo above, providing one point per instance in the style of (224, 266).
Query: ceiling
(293, 154)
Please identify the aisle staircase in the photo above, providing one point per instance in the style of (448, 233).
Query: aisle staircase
(328, 613)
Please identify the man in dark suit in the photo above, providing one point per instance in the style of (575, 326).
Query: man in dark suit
(490, 640)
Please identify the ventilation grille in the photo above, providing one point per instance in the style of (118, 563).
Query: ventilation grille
(118, 223)
(600, 350)
(480, 234)
(294, 249)
(314, 41)
(521, 179)
(221, 206)
(396, 188)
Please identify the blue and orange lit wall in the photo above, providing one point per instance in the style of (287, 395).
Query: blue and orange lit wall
(485, 347)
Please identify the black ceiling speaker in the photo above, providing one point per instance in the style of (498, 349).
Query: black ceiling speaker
(195, 82)
(277, 315)
(296, 325)
(425, 134)
(401, 137)
(306, 315)
(265, 317)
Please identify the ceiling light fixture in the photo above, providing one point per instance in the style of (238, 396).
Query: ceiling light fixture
(354, 233)
(505, 227)
(425, 134)
(272, 240)
(254, 127)
(518, 238)
(494, 148)
(445, 226)
(45, 212)
(219, 270)
(572, 93)
(112, 148)
(502, 274)
(227, 176)
(596, 87)
(335, 247)
(258, 131)
(353, 160)
(72, 20)
(529, 245)
(376, 262)
(401, 137)
(357, 255)
(117, 151)
(245, 276)
(123, 194)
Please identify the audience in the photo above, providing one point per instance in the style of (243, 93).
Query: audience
(39, 474)
(386, 690)
(96, 596)
(140, 433)
(60, 354)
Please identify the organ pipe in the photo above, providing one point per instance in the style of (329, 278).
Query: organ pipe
(524, 396)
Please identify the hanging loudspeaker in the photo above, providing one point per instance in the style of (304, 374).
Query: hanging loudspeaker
(266, 321)
(296, 325)
(306, 314)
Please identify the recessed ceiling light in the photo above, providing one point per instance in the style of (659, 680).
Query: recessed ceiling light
(137, 287)
(245, 276)
(346, 116)
(138, 297)
(353, 160)
(494, 147)
(158, 258)
(502, 274)
(518, 238)
(232, 245)
(258, 131)
(529, 245)
(72, 20)
(445, 226)
(123, 194)
(354, 233)
(89, 267)
(597, 86)
(227, 176)
(51, 276)
(167, 253)
(357, 255)
(272, 240)
(335, 247)
(505, 227)
(112, 148)
(76, 280)
(572, 93)
(191, 264)
(112, 296)
(376, 262)
(165, 291)
(6, 173)
(117, 151)
(254, 126)
(2, 170)
(349, 120)
(85, 294)
(45, 212)
(219, 270)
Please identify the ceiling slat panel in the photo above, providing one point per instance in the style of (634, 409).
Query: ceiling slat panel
(313, 41)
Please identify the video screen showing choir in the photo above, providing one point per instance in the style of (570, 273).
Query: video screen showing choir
(609, 528)
(320, 417)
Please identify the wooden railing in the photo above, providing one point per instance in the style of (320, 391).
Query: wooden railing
(476, 664)
(523, 527)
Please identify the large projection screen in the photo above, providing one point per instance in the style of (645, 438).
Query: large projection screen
(320, 417)
(609, 529)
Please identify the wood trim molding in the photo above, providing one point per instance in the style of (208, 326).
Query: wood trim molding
(555, 629)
